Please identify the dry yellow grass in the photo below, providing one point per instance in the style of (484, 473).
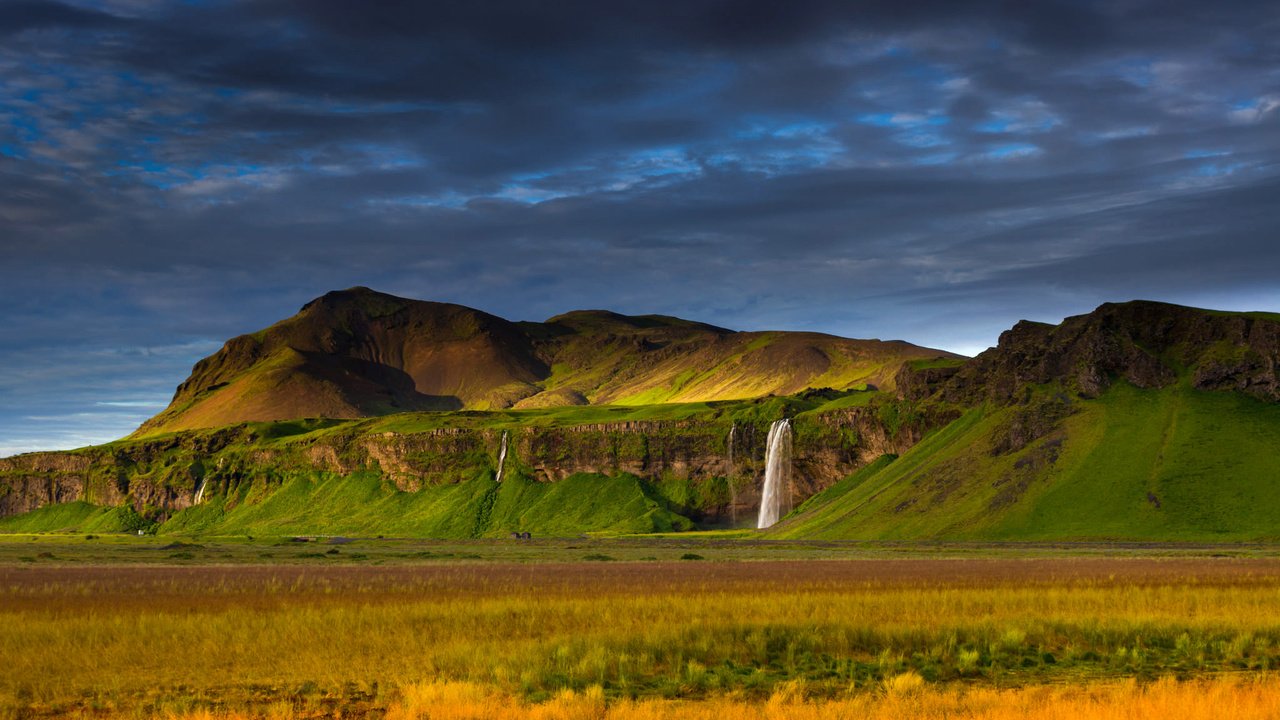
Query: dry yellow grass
(723, 640)
(1198, 700)
(907, 696)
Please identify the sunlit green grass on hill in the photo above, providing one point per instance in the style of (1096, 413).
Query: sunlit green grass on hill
(364, 505)
(1169, 464)
(78, 516)
(756, 410)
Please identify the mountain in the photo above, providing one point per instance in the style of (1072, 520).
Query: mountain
(359, 353)
(1138, 421)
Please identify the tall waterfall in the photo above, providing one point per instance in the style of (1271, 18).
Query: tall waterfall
(777, 474)
(502, 456)
(200, 491)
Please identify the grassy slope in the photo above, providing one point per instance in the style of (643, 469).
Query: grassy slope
(78, 516)
(1208, 459)
(364, 505)
(760, 364)
(758, 410)
(544, 417)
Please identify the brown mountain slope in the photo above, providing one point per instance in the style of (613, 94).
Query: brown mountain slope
(357, 352)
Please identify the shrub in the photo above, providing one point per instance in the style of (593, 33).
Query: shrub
(907, 684)
(967, 662)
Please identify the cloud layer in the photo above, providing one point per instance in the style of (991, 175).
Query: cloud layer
(172, 174)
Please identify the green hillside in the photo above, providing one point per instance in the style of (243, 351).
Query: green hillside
(1173, 463)
(366, 505)
(77, 516)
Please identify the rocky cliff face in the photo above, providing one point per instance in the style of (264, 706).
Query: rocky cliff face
(681, 459)
(1146, 344)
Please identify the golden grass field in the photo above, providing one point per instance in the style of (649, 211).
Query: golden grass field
(1185, 637)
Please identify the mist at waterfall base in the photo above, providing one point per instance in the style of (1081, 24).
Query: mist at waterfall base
(777, 475)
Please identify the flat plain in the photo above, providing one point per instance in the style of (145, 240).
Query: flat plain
(118, 626)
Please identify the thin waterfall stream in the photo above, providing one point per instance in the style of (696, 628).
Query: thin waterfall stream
(502, 456)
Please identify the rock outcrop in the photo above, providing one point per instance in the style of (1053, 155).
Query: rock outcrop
(1146, 344)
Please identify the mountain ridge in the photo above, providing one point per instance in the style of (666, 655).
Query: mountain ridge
(358, 353)
(1138, 421)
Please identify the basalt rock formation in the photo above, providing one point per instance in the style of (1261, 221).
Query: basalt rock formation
(1146, 344)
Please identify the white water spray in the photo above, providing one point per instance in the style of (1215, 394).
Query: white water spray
(200, 491)
(733, 434)
(777, 475)
(502, 456)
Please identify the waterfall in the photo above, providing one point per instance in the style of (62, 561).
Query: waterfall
(777, 474)
(502, 456)
(200, 491)
(733, 433)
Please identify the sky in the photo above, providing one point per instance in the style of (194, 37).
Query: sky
(176, 173)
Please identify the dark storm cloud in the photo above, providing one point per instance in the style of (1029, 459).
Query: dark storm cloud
(21, 15)
(174, 174)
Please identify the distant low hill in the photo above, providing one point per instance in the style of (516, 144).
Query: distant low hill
(359, 353)
(1139, 421)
